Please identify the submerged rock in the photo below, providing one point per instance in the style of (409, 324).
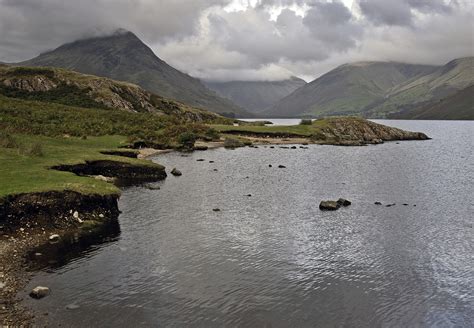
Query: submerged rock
(329, 205)
(281, 166)
(176, 172)
(344, 202)
(216, 209)
(39, 292)
(200, 160)
(378, 203)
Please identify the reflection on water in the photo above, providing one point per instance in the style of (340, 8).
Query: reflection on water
(273, 259)
(54, 255)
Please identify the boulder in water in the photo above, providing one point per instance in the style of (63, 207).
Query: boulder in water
(329, 205)
(39, 292)
(176, 172)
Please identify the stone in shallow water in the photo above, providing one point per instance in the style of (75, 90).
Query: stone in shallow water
(344, 202)
(176, 172)
(329, 205)
(39, 292)
(72, 306)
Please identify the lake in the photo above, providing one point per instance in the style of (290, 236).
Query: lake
(273, 259)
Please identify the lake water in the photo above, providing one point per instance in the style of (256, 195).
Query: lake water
(273, 259)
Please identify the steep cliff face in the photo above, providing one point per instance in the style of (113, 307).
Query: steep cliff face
(71, 88)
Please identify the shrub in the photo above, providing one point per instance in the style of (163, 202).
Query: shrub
(233, 143)
(187, 139)
(211, 134)
(7, 141)
(306, 122)
(35, 149)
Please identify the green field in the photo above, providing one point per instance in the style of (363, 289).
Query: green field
(277, 130)
(22, 172)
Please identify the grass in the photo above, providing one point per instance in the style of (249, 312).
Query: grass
(299, 130)
(21, 173)
(52, 119)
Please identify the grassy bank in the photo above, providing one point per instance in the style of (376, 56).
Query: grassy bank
(25, 166)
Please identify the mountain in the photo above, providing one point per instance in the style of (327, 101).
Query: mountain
(256, 96)
(347, 90)
(427, 90)
(123, 56)
(55, 85)
(459, 106)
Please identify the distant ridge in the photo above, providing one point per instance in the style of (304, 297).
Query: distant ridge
(459, 106)
(256, 96)
(347, 90)
(123, 56)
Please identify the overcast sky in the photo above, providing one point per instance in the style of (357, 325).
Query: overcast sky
(250, 39)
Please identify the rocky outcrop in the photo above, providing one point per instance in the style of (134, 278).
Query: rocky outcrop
(103, 91)
(351, 131)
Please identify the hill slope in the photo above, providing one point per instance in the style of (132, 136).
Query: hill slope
(459, 106)
(54, 85)
(256, 96)
(348, 89)
(428, 89)
(123, 56)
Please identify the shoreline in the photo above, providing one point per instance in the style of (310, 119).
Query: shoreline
(30, 218)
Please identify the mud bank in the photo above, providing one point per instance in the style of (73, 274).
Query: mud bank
(125, 173)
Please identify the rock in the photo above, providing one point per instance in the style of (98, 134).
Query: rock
(216, 209)
(343, 202)
(211, 161)
(39, 292)
(270, 165)
(272, 147)
(72, 306)
(200, 148)
(293, 147)
(200, 160)
(101, 215)
(54, 238)
(38, 254)
(233, 143)
(76, 215)
(329, 205)
(176, 172)
(215, 170)
(281, 166)
(378, 203)
(405, 204)
(249, 195)
(2, 285)
(151, 187)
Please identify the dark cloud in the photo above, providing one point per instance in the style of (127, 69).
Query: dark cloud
(254, 39)
(401, 12)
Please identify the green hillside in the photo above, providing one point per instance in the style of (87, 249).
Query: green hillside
(459, 106)
(347, 90)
